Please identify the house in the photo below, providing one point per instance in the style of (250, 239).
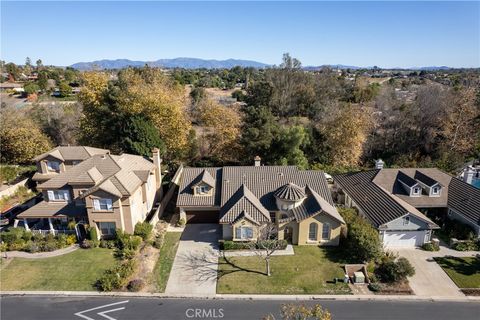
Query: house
(396, 201)
(105, 191)
(243, 199)
(60, 159)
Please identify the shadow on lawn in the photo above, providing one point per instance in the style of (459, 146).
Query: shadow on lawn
(460, 265)
(205, 265)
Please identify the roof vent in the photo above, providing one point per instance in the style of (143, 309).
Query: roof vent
(379, 164)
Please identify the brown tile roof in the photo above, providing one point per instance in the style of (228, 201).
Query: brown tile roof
(464, 199)
(72, 153)
(243, 200)
(188, 180)
(290, 192)
(52, 209)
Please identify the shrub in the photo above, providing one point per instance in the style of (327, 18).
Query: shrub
(115, 277)
(109, 244)
(27, 235)
(49, 245)
(71, 225)
(430, 246)
(362, 241)
(3, 247)
(375, 287)
(71, 239)
(390, 270)
(38, 237)
(467, 245)
(126, 253)
(233, 245)
(458, 230)
(92, 233)
(135, 285)
(181, 222)
(87, 244)
(62, 240)
(16, 245)
(12, 235)
(128, 241)
(157, 242)
(32, 247)
(144, 230)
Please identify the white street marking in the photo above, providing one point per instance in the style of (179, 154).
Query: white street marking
(81, 313)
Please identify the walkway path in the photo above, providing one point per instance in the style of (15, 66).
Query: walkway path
(194, 269)
(288, 251)
(429, 278)
(39, 255)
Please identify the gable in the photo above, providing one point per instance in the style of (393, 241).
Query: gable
(415, 223)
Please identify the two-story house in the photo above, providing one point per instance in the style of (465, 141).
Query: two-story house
(244, 199)
(105, 191)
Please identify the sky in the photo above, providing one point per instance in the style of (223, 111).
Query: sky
(381, 33)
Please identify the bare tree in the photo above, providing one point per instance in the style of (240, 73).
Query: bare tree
(266, 243)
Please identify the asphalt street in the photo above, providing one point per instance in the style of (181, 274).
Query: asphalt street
(127, 308)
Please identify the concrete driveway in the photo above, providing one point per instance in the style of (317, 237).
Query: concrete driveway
(429, 278)
(194, 269)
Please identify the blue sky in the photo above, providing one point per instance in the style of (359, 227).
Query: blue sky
(382, 33)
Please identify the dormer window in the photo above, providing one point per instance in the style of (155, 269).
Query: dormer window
(435, 190)
(416, 190)
(406, 221)
(203, 190)
(53, 166)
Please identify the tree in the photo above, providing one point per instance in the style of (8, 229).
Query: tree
(266, 243)
(288, 146)
(31, 88)
(21, 138)
(39, 64)
(362, 240)
(302, 312)
(28, 62)
(64, 89)
(139, 136)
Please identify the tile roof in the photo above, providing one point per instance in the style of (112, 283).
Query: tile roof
(50, 209)
(464, 199)
(423, 178)
(72, 153)
(377, 203)
(409, 181)
(251, 189)
(121, 172)
(290, 192)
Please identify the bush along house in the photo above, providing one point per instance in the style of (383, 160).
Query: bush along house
(243, 199)
(105, 191)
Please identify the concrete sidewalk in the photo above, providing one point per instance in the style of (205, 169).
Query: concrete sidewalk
(288, 251)
(39, 255)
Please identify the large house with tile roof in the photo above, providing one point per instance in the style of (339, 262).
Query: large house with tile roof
(105, 191)
(243, 199)
(397, 201)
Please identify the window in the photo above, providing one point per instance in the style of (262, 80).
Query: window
(58, 195)
(53, 166)
(416, 190)
(243, 232)
(107, 228)
(406, 221)
(75, 162)
(312, 232)
(435, 190)
(102, 204)
(202, 189)
(326, 231)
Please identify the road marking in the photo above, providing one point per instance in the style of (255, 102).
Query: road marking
(81, 313)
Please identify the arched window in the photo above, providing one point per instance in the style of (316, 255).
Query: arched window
(312, 232)
(326, 231)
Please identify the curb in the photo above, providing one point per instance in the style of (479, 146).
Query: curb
(411, 298)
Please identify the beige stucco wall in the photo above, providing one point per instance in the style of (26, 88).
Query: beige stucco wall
(320, 219)
(105, 216)
(227, 232)
(241, 223)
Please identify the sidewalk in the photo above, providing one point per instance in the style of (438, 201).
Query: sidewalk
(39, 255)
(288, 251)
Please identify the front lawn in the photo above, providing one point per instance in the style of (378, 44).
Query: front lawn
(310, 271)
(76, 271)
(465, 272)
(165, 260)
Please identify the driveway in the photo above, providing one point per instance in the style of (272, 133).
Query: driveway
(429, 278)
(194, 269)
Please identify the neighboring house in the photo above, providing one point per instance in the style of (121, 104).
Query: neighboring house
(106, 191)
(245, 198)
(60, 159)
(395, 201)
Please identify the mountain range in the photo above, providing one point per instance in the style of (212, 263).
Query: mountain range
(196, 63)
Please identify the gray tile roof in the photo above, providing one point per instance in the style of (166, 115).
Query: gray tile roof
(290, 192)
(376, 203)
(409, 181)
(232, 183)
(206, 178)
(66, 153)
(423, 178)
(464, 199)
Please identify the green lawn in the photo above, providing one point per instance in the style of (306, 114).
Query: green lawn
(165, 260)
(310, 271)
(465, 272)
(76, 271)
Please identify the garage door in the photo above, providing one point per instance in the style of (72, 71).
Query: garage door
(402, 239)
(202, 217)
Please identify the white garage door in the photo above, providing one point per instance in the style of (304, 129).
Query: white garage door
(402, 239)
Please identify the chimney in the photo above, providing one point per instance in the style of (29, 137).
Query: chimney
(157, 161)
(257, 160)
(468, 175)
(379, 164)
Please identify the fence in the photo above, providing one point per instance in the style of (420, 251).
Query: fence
(153, 219)
(55, 232)
(10, 190)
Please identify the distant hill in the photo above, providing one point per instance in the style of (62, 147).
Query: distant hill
(187, 63)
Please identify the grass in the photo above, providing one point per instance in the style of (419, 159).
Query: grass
(76, 271)
(310, 271)
(165, 260)
(465, 272)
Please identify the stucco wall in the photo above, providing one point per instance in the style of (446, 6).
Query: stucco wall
(320, 219)
(227, 232)
(415, 224)
(105, 216)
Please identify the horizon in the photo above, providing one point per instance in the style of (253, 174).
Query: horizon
(362, 34)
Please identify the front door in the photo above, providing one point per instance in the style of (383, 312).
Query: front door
(288, 234)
